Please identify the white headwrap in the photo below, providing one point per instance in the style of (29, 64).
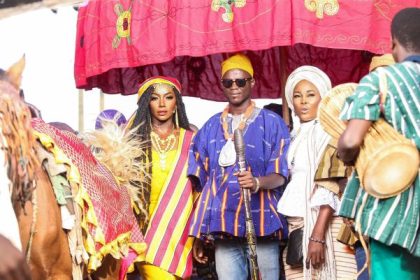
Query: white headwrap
(310, 73)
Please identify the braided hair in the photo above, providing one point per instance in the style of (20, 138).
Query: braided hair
(142, 121)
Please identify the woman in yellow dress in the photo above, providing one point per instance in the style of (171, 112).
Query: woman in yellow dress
(161, 122)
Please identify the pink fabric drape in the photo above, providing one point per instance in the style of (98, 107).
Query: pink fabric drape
(121, 43)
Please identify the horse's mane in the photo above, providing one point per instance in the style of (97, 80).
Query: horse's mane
(17, 141)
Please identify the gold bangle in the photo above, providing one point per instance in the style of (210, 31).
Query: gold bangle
(257, 185)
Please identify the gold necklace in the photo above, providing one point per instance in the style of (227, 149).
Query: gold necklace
(163, 146)
(242, 123)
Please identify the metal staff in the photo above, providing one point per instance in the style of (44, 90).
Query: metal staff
(250, 230)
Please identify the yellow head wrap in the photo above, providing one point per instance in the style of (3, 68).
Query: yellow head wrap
(238, 61)
(158, 80)
(382, 60)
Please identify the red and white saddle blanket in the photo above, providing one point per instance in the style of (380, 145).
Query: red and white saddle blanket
(107, 218)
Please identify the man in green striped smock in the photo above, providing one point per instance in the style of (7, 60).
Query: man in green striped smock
(393, 223)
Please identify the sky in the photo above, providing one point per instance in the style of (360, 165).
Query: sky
(48, 40)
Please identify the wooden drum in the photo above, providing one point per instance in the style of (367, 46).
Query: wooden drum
(388, 162)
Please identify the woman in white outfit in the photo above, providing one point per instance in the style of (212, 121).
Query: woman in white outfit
(312, 195)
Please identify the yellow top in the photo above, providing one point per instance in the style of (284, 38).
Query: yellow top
(159, 176)
(169, 246)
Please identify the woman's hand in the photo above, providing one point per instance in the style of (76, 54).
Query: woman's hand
(316, 249)
(316, 255)
(198, 251)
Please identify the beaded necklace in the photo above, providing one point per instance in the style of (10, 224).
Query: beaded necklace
(244, 118)
(227, 156)
(163, 146)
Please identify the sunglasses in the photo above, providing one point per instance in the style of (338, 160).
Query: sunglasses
(227, 83)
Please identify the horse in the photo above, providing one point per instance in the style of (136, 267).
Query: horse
(44, 241)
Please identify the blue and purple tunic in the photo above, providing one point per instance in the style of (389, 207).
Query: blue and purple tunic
(220, 206)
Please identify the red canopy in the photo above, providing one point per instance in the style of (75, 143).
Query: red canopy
(121, 43)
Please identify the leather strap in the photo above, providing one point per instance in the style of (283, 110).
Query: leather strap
(383, 89)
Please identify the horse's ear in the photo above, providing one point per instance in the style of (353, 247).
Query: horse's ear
(14, 73)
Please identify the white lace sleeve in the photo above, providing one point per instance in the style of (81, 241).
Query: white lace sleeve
(322, 196)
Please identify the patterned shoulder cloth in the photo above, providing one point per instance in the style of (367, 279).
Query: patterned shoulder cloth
(331, 169)
(169, 246)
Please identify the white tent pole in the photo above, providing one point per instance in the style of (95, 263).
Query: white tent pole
(283, 79)
(81, 111)
(101, 101)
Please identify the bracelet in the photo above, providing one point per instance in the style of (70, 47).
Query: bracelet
(317, 240)
(257, 185)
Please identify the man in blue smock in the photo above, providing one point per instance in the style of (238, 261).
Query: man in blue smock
(220, 213)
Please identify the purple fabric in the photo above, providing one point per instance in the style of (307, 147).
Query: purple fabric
(200, 76)
(110, 114)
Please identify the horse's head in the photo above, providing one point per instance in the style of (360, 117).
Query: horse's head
(16, 139)
(10, 81)
(13, 75)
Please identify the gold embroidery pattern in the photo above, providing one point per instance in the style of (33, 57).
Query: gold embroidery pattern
(227, 5)
(360, 42)
(122, 25)
(329, 7)
(385, 8)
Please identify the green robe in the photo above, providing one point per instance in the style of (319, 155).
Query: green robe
(395, 220)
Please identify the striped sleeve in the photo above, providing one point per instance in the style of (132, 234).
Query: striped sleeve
(351, 198)
(198, 159)
(279, 135)
(364, 103)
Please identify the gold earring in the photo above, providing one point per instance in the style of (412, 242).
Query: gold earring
(176, 119)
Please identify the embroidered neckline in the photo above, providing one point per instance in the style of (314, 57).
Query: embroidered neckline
(244, 117)
(303, 132)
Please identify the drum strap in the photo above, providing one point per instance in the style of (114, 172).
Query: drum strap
(383, 89)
